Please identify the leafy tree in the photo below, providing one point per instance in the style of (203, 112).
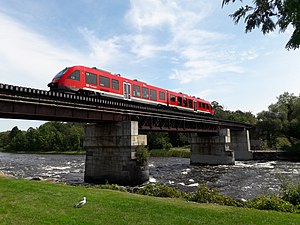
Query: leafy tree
(270, 14)
(158, 140)
(19, 142)
(4, 140)
(238, 115)
(178, 139)
(14, 132)
(281, 120)
(34, 140)
(51, 136)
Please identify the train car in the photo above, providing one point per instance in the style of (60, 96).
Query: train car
(97, 82)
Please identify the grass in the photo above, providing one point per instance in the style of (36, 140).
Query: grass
(36, 202)
(173, 152)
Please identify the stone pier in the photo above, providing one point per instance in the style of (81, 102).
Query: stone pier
(110, 153)
(212, 150)
(240, 144)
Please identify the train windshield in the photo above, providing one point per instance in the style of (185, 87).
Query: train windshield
(61, 73)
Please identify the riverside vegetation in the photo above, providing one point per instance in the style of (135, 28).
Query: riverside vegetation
(38, 202)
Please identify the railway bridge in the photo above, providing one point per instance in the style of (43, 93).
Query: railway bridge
(113, 126)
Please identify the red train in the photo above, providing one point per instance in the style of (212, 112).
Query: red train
(97, 82)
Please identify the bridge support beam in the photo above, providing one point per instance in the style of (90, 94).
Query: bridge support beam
(212, 150)
(110, 153)
(240, 144)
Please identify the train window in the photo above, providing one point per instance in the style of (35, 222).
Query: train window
(153, 94)
(90, 78)
(61, 73)
(162, 95)
(145, 93)
(136, 91)
(104, 81)
(190, 103)
(184, 102)
(75, 75)
(172, 98)
(115, 84)
(179, 101)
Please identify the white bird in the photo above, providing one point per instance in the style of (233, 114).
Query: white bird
(81, 203)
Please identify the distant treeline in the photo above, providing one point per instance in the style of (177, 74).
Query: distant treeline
(64, 137)
(51, 136)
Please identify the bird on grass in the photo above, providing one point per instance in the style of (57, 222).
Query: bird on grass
(81, 203)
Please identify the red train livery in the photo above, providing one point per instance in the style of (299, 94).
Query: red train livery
(97, 82)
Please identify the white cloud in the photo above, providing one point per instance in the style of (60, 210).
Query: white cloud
(28, 58)
(104, 52)
(151, 14)
(193, 47)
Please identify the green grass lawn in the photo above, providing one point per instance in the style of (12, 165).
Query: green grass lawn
(37, 202)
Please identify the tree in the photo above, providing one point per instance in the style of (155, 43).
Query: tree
(270, 14)
(238, 115)
(281, 120)
(158, 140)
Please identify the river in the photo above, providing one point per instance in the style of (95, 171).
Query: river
(244, 180)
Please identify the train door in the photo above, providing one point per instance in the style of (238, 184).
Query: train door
(195, 106)
(127, 91)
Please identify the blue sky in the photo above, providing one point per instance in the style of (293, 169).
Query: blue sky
(190, 46)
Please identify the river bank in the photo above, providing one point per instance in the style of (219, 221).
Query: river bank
(29, 202)
(244, 180)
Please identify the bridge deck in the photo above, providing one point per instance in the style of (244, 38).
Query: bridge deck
(34, 104)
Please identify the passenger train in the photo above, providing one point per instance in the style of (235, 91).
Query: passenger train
(97, 82)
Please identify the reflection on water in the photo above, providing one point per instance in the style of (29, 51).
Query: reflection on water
(242, 180)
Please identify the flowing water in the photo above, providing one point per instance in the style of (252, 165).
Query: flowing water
(243, 180)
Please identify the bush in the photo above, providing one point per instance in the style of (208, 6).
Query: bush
(204, 194)
(182, 153)
(114, 187)
(291, 193)
(160, 190)
(270, 202)
(142, 154)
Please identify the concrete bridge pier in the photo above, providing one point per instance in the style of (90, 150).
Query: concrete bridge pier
(240, 144)
(212, 150)
(110, 153)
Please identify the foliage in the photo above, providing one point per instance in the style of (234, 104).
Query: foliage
(270, 14)
(142, 154)
(204, 194)
(114, 187)
(271, 202)
(51, 136)
(282, 120)
(181, 153)
(158, 140)
(178, 139)
(160, 190)
(290, 192)
(238, 115)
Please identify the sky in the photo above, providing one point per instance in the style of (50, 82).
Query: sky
(190, 46)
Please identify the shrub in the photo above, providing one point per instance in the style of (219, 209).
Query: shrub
(160, 190)
(290, 192)
(204, 194)
(270, 202)
(114, 187)
(142, 154)
(182, 153)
